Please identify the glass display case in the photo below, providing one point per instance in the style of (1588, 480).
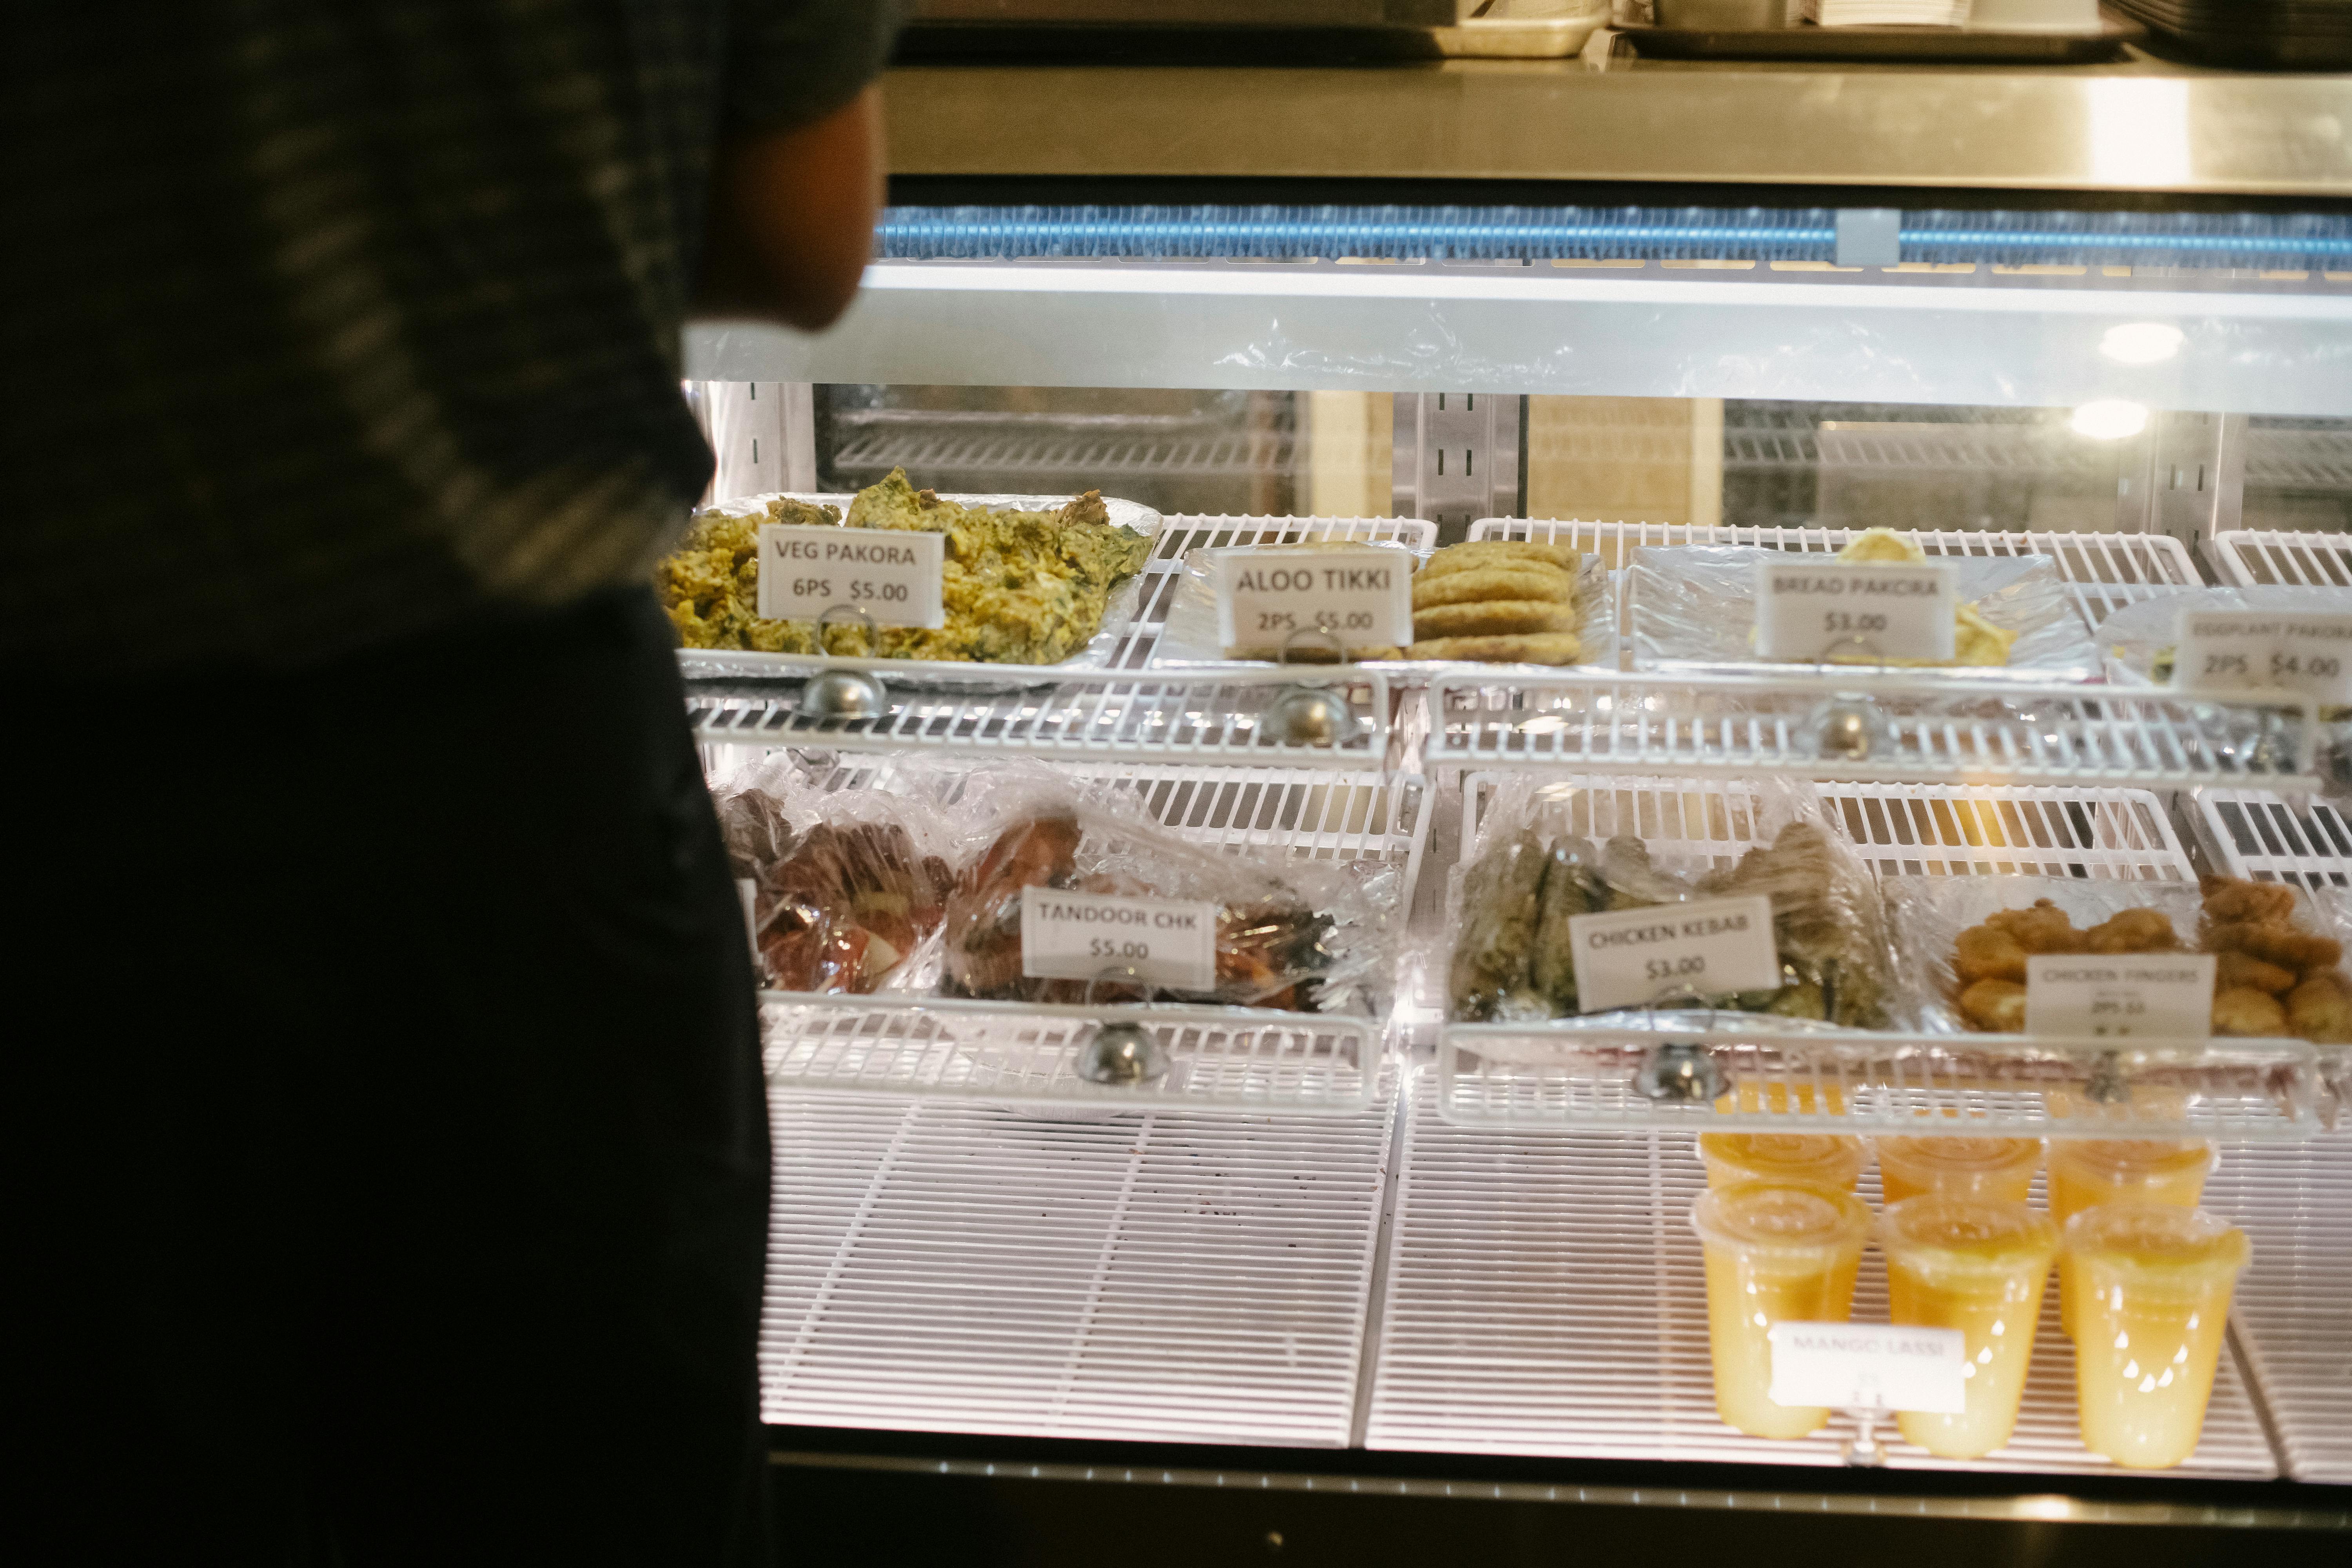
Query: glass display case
(2078, 336)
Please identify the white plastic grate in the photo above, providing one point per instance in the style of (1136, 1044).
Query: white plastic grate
(2104, 572)
(2292, 1313)
(1940, 830)
(1936, 730)
(1181, 447)
(1006, 1053)
(1151, 1278)
(2255, 835)
(1545, 1296)
(2254, 556)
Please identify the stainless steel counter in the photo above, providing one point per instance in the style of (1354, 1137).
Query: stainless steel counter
(2140, 124)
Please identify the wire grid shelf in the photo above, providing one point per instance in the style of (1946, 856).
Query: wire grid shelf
(1230, 1060)
(2102, 572)
(2255, 835)
(1913, 730)
(2251, 557)
(2293, 1312)
(1943, 830)
(1182, 448)
(1545, 1295)
(1149, 1278)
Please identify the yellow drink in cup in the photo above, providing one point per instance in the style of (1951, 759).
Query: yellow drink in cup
(1800, 1158)
(2156, 1282)
(2087, 1171)
(1977, 1266)
(1995, 1169)
(1774, 1254)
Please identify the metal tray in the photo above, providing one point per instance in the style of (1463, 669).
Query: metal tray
(1890, 44)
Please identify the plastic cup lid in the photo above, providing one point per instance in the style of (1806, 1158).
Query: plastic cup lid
(2156, 1239)
(1965, 1155)
(1831, 1159)
(1967, 1235)
(1776, 1219)
(2121, 1158)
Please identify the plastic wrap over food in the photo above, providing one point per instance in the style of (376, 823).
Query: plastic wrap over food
(1694, 609)
(1962, 944)
(710, 586)
(1538, 860)
(1305, 935)
(1189, 637)
(848, 888)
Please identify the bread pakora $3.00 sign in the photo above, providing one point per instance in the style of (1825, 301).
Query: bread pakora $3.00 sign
(893, 574)
(1810, 607)
(2154, 996)
(1268, 594)
(1714, 946)
(1088, 936)
(2306, 652)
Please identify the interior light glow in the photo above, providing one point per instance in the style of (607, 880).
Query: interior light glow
(2140, 343)
(2109, 419)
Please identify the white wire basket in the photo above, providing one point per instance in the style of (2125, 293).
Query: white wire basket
(2257, 835)
(2251, 557)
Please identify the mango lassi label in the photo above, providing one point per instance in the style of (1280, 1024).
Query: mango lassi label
(2162, 995)
(1870, 1366)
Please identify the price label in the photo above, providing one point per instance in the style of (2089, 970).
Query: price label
(2299, 652)
(1627, 957)
(1870, 1366)
(894, 574)
(1077, 936)
(1267, 593)
(2161, 995)
(1809, 608)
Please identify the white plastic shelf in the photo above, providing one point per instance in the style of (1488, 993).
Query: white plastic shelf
(1225, 1059)
(2255, 835)
(1936, 729)
(2254, 556)
(2293, 1312)
(1545, 1296)
(1151, 1277)
(1945, 830)
(2102, 572)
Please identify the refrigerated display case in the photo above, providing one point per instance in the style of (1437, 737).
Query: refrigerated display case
(2088, 324)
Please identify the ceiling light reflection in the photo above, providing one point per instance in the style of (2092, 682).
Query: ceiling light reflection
(2109, 418)
(2140, 343)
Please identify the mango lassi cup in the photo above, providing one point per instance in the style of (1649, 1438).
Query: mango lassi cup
(1979, 1267)
(1996, 1169)
(1774, 1254)
(2154, 1282)
(2086, 1172)
(1802, 1159)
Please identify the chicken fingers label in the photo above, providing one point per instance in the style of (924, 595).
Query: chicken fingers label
(1870, 1366)
(2297, 652)
(896, 576)
(2158, 995)
(1090, 936)
(1814, 608)
(1267, 594)
(1711, 946)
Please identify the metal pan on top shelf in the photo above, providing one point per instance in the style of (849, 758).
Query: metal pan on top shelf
(745, 672)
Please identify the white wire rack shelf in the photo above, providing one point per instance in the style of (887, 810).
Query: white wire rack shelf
(1030, 447)
(1545, 1295)
(1225, 1059)
(2258, 835)
(1902, 730)
(1156, 1277)
(2102, 572)
(2249, 557)
(2291, 1316)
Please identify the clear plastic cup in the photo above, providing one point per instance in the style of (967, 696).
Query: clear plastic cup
(1774, 1254)
(2156, 1282)
(1802, 1159)
(2087, 1171)
(1995, 1169)
(1977, 1266)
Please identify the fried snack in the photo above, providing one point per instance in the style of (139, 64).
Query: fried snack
(1493, 959)
(1540, 648)
(1571, 887)
(2276, 943)
(1886, 546)
(2133, 931)
(846, 905)
(2320, 1010)
(1529, 580)
(2045, 927)
(2243, 1010)
(1505, 553)
(1494, 618)
(2238, 969)
(1997, 1005)
(983, 915)
(1989, 953)
(2228, 900)
(1975, 641)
